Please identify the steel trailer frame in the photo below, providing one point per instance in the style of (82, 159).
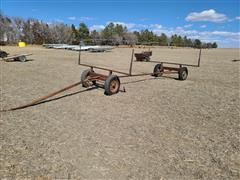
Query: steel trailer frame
(111, 83)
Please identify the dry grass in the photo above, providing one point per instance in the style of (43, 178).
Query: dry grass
(160, 128)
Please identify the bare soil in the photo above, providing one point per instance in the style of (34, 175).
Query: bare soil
(160, 128)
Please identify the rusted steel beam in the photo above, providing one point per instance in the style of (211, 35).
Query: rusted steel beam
(199, 57)
(180, 64)
(93, 74)
(130, 68)
(97, 78)
(144, 74)
(170, 68)
(170, 72)
(104, 69)
(43, 98)
(79, 55)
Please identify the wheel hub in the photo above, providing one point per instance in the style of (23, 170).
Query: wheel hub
(114, 86)
(184, 74)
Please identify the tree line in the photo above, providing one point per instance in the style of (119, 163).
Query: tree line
(33, 31)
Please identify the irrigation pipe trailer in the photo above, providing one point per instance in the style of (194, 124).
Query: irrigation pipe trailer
(111, 82)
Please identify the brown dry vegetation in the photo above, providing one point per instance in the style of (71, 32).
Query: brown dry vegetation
(160, 128)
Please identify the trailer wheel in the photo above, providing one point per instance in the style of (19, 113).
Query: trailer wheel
(157, 71)
(84, 76)
(22, 58)
(3, 54)
(183, 73)
(112, 85)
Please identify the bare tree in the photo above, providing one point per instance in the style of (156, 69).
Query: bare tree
(18, 24)
(130, 38)
(6, 28)
(61, 33)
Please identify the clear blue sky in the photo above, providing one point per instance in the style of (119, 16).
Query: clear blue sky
(208, 20)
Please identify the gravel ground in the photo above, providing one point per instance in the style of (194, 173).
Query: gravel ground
(160, 128)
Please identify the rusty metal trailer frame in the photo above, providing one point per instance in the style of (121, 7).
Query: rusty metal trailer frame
(180, 64)
(112, 82)
(181, 70)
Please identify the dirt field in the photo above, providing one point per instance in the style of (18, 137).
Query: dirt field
(160, 128)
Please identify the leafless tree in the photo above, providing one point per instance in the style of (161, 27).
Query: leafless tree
(130, 38)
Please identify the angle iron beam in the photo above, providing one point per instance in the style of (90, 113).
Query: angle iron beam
(106, 69)
(180, 64)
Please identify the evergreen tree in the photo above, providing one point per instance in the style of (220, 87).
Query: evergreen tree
(163, 40)
(214, 45)
(75, 35)
(197, 43)
(83, 31)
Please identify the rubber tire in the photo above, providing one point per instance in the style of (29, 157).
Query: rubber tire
(22, 58)
(3, 54)
(108, 83)
(157, 70)
(84, 76)
(182, 73)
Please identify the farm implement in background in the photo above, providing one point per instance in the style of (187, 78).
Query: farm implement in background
(17, 57)
(143, 56)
